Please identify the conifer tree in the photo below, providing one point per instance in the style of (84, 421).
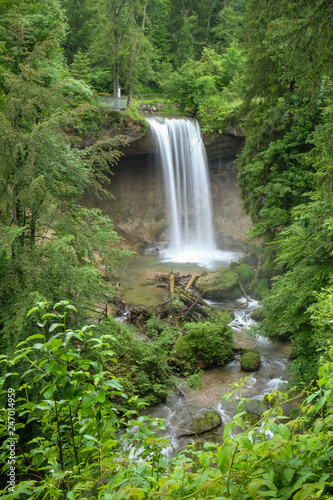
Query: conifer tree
(49, 243)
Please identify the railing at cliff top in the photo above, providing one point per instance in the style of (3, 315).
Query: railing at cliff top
(120, 103)
(114, 103)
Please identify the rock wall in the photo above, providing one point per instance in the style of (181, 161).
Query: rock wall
(138, 208)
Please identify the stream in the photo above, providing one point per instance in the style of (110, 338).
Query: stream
(216, 382)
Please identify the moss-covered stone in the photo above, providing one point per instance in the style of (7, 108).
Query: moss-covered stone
(250, 361)
(206, 422)
(222, 284)
(251, 418)
(254, 410)
(256, 407)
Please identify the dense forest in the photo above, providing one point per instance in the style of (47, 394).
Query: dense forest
(71, 394)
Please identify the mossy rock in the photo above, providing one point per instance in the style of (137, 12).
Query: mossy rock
(251, 418)
(208, 421)
(256, 407)
(220, 285)
(250, 361)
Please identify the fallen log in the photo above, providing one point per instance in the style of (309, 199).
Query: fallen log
(194, 304)
(191, 281)
(172, 283)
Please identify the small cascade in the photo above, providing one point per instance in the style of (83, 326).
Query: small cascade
(182, 157)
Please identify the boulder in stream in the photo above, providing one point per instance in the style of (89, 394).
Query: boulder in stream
(219, 285)
(250, 361)
(203, 421)
(254, 410)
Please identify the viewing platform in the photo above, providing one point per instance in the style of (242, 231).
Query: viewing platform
(114, 103)
(120, 103)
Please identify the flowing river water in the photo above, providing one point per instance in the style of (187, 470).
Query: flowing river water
(216, 382)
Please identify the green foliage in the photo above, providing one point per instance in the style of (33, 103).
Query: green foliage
(198, 86)
(142, 366)
(75, 446)
(245, 274)
(132, 114)
(275, 174)
(50, 244)
(229, 21)
(194, 381)
(80, 67)
(81, 447)
(204, 344)
(286, 167)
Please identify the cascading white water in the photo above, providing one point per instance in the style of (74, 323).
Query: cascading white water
(182, 157)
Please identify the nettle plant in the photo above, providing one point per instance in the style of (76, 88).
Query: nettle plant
(80, 445)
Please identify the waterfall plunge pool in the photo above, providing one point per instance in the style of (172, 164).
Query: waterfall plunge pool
(135, 279)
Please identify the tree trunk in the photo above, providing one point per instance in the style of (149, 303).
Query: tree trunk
(115, 78)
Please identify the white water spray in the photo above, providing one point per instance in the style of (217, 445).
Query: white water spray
(182, 157)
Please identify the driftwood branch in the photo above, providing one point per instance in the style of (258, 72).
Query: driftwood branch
(194, 303)
(172, 283)
(193, 278)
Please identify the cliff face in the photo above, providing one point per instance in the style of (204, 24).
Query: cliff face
(139, 208)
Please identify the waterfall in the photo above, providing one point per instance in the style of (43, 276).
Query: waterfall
(182, 158)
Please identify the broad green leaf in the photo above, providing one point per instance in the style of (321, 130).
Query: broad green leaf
(32, 310)
(54, 326)
(253, 489)
(36, 336)
(90, 438)
(284, 431)
(69, 306)
(318, 427)
(244, 441)
(288, 474)
(224, 456)
(320, 403)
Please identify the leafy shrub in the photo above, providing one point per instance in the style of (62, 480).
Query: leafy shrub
(204, 344)
(142, 365)
(76, 445)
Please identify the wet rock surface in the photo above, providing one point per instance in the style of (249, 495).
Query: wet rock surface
(201, 422)
(219, 285)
